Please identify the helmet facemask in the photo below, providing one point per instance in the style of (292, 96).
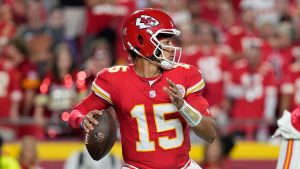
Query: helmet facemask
(158, 53)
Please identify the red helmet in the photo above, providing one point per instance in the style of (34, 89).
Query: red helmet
(140, 35)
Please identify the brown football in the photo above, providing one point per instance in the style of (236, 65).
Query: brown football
(100, 140)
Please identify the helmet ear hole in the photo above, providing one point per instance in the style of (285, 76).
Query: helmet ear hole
(141, 40)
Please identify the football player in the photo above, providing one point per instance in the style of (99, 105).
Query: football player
(157, 100)
(289, 130)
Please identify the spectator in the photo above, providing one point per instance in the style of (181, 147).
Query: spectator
(82, 160)
(74, 17)
(19, 11)
(18, 55)
(56, 25)
(7, 25)
(10, 97)
(242, 35)
(59, 91)
(7, 162)
(27, 74)
(253, 91)
(104, 20)
(209, 11)
(226, 20)
(279, 54)
(38, 36)
(28, 156)
(178, 10)
(290, 88)
(188, 40)
(100, 58)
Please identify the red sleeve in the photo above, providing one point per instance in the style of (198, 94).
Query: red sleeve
(296, 118)
(197, 101)
(91, 102)
(102, 86)
(194, 81)
(195, 85)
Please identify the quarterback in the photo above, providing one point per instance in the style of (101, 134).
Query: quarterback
(157, 100)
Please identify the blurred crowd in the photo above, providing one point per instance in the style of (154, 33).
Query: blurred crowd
(51, 50)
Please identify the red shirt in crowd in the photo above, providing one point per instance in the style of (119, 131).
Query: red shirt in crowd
(253, 83)
(279, 59)
(213, 66)
(9, 88)
(291, 85)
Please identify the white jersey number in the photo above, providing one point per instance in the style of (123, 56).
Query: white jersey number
(159, 110)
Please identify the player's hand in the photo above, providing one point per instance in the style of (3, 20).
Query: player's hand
(89, 120)
(174, 94)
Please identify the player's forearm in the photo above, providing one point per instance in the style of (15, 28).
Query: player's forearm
(206, 129)
(91, 102)
(203, 126)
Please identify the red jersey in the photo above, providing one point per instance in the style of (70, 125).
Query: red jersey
(29, 81)
(213, 66)
(291, 85)
(279, 60)
(9, 89)
(154, 134)
(254, 84)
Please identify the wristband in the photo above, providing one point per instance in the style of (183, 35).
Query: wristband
(192, 116)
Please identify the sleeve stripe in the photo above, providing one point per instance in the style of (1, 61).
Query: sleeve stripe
(200, 85)
(101, 93)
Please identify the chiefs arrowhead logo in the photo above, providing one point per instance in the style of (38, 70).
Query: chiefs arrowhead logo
(146, 21)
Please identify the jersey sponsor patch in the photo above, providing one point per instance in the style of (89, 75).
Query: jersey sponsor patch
(146, 21)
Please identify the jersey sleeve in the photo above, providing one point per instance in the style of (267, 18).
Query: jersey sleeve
(194, 81)
(98, 99)
(91, 102)
(101, 86)
(195, 85)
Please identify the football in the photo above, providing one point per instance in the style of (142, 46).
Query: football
(100, 140)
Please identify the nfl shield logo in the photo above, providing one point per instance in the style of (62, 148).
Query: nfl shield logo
(152, 93)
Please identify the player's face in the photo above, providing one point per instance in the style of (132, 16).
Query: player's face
(168, 52)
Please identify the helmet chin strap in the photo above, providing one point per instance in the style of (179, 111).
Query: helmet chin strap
(161, 63)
